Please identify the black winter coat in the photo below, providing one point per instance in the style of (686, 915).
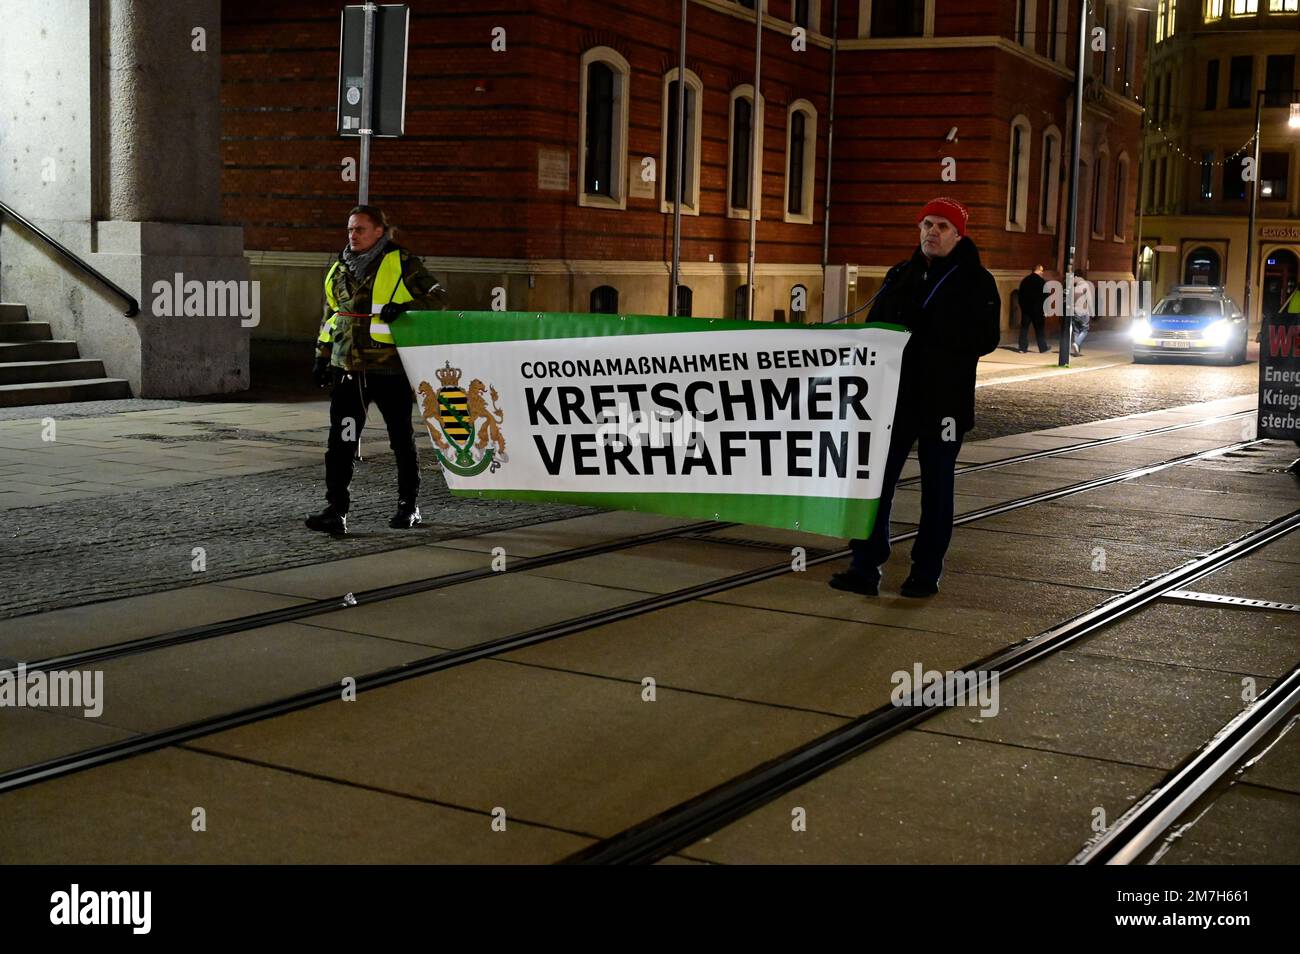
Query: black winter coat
(952, 307)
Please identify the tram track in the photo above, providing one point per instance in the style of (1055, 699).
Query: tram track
(151, 741)
(307, 610)
(686, 823)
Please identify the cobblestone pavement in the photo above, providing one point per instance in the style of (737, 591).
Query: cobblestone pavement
(128, 544)
(84, 409)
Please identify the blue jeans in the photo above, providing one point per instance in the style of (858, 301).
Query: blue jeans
(938, 460)
(1081, 329)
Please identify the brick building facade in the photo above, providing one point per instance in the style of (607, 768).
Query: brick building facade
(491, 182)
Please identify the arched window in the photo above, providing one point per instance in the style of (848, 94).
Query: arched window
(800, 160)
(1120, 215)
(685, 300)
(602, 133)
(1100, 178)
(799, 304)
(694, 95)
(1203, 267)
(604, 300)
(1049, 180)
(1018, 175)
(740, 115)
(740, 303)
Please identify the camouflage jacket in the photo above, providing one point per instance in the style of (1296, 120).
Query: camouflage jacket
(345, 336)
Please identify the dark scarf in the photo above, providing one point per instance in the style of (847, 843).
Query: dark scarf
(361, 264)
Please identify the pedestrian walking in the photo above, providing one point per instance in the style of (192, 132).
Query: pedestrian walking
(1031, 296)
(1083, 311)
(949, 302)
(372, 283)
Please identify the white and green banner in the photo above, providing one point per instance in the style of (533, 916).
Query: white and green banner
(779, 425)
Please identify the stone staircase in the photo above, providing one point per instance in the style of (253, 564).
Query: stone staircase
(37, 368)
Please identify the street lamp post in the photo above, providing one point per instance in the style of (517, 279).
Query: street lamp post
(1072, 219)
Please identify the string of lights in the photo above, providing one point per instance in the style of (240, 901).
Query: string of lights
(1177, 149)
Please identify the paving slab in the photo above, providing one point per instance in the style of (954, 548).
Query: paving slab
(968, 603)
(32, 736)
(907, 504)
(787, 539)
(1109, 566)
(765, 656)
(1278, 766)
(354, 574)
(567, 534)
(1246, 826)
(43, 635)
(663, 567)
(583, 753)
(1183, 503)
(1130, 711)
(181, 684)
(1245, 642)
(920, 798)
(140, 811)
(473, 612)
(1067, 519)
(1258, 579)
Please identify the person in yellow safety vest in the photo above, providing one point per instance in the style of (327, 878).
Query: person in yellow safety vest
(372, 284)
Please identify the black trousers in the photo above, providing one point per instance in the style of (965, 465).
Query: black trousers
(938, 460)
(1038, 322)
(349, 402)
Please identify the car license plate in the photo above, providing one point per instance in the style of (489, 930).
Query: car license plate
(1175, 344)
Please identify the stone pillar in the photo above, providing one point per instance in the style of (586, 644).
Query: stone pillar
(110, 140)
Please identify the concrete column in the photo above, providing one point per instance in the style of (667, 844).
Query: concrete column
(110, 140)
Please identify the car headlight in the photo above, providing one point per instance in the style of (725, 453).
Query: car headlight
(1141, 328)
(1218, 332)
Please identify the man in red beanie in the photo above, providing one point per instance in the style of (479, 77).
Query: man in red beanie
(950, 304)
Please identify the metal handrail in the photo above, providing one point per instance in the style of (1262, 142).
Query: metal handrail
(132, 306)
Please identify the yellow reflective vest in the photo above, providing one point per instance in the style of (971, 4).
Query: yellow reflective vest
(386, 287)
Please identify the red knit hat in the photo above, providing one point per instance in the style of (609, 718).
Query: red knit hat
(950, 209)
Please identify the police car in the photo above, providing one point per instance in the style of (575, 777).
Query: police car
(1191, 321)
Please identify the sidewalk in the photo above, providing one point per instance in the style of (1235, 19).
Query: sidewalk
(1102, 349)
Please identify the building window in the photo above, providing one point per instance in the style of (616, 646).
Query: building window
(804, 13)
(1212, 84)
(604, 300)
(1166, 17)
(800, 161)
(1150, 203)
(1160, 183)
(1279, 79)
(738, 173)
(1240, 81)
(799, 304)
(685, 300)
(1283, 6)
(1273, 174)
(1026, 13)
(1207, 175)
(691, 154)
(1202, 267)
(1155, 99)
(1234, 186)
(1166, 101)
(1112, 36)
(1018, 174)
(1130, 53)
(1119, 218)
(1049, 190)
(602, 172)
(1099, 195)
(897, 17)
(1213, 10)
(1245, 8)
(740, 304)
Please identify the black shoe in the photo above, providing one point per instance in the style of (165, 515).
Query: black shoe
(329, 521)
(915, 587)
(853, 581)
(407, 516)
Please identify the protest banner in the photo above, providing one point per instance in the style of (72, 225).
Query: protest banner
(777, 425)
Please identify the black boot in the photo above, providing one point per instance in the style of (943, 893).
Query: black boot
(329, 521)
(916, 587)
(407, 516)
(855, 581)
